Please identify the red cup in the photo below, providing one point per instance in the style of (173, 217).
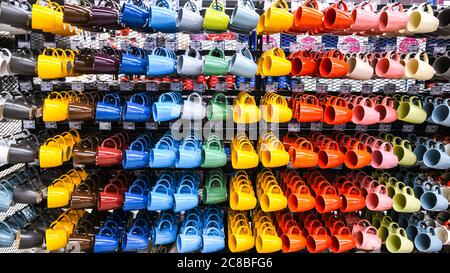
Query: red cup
(318, 241)
(328, 200)
(308, 16)
(303, 65)
(353, 200)
(337, 17)
(301, 200)
(108, 153)
(343, 241)
(110, 198)
(292, 240)
(333, 65)
(329, 156)
(337, 112)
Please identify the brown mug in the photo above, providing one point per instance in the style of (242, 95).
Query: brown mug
(83, 238)
(81, 110)
(85, 152)
(84, 63)
(78, 15)
(83, 197)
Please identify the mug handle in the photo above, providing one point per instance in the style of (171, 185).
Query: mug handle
(217, 52)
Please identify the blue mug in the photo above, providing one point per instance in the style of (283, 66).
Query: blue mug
(414, 229)
(6, 195)
(213, 240)
(137, 108)
(433, 200)
(436, 157)
(109, 109)
(135, 239)
(7, 235)
(428, 104)
(137, 156)
(159, 198)
(134, 13)
(427, 241)
(189, 240)
(161, 62)
(134, 62)
(163, 155)
(189, 155)
(420, 189)
(422, 145)
(165, 232)
(162, 17)
(441, 113)
(168, 107)
(185, 198)
(135, 198)
(105, 241)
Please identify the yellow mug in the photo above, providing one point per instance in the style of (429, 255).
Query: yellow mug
(56, 237)
(50, 155)
(273, 199)
(398, 242)
(268, 241)
(66, 61)
(275, 156)
(67, 223)
(58, 19)
(405, 201)
(243, 198)
(406, 157)
(67, 150)
(244, 156)
(277, 111)
(411, 111)
(50, 66)
(275, 66)
(278, 18)
(56, 108)
(43, 16)
(58, 195)
(241, 240)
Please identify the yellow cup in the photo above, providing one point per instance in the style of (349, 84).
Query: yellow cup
(58, 19)
(67, 67)
(244, 159)
(405, 201)
(411, 111)
(67, 223)
(274, 156)
(406, 157)
(277, 113)
(56, 108)
(43, 16)
(50, 66)
(56, 237)
(243, 198)
(278, 18)
(58, 194)
(241, 240)
(215, 17)
(67, 150)
(273, 199)
(50, 155)
(268, 241)
(275, 66)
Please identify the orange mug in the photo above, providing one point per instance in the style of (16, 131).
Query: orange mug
(333, 65)
(302, 155)
(301, 200)
(330, 156)
(337, 17)
(308, 16)
(328, 200)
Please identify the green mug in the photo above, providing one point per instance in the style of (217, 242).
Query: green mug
(215, 63)
(215, 17)
(405, 201)
(398, 242)
(412, 111)
(213, 153)
(215, 191)
(218, 108)
(404, 152)
(386, 229)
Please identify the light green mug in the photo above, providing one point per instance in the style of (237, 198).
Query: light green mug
(215, 191)
(213, 153)
(406, 201)
(386, 229)
(412, 111)
(404, 152)
(215, 17)
(398, 242)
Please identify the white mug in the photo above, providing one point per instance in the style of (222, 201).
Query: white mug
(194, 108)
(359, 68)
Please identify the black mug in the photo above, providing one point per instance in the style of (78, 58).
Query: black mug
(18, 109)
(442, 67)
(23, 62)
(24, 151)
(16, 13)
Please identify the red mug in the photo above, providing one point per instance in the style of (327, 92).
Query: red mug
(333, 65)
(309, 109)
(328, 200)
(353, 200)
(343, 241)
(308, 16)
(337, 17)
(357, 155)
(337, 112)
(292, 240)
(318, 241)
(330, 156)
(301, 200)
(108, 153)
(110, 198)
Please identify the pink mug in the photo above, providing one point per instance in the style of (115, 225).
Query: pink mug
(367, 239)
(388, 114)
(360, 226)
(389, 66)
(384, 157)
(364, 18)
(365, 113)
(377, 198)
(392, 18)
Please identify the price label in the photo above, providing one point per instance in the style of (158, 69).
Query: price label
(151, 86)
(273, 127)
(26, 86)
(47, 86)
(361, 128)
(271, 87)
(49, 44)
(126, 86)
(77, 86)
(196, 44)
(339, 127)
(431, 129)
(446, 88)
(413, 90)
(103, 86)
(219, 44)
(124, 44)
(244, 86)
(298, 87)
(29, 124)
(437, 90)
(345, 88)
(293, 126)
(102, 125)
(384, 127)
(75, 125)
(199, 87)
(220, 87)
(390, 47)
(23, 44)
(316, 126)
(151, 126)
(389, 88)
(366, 88)
(172, 45)
(176, 86)
(321, 88)
(440, 49)
(128, 125)
(408, 128)
(51, 125)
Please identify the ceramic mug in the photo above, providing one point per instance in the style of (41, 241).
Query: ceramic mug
(215, 63)
(441, 113)
(189, 19)
(244, 18)
(242, 64)
(389, 66)
(419, 67)
(215, 18)
(190, 63)
(405, 201)
(337, 17)
(194, 108)
(436, 157)
(392, 18)
(359, 68)
(422, 20)
(411, 111)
